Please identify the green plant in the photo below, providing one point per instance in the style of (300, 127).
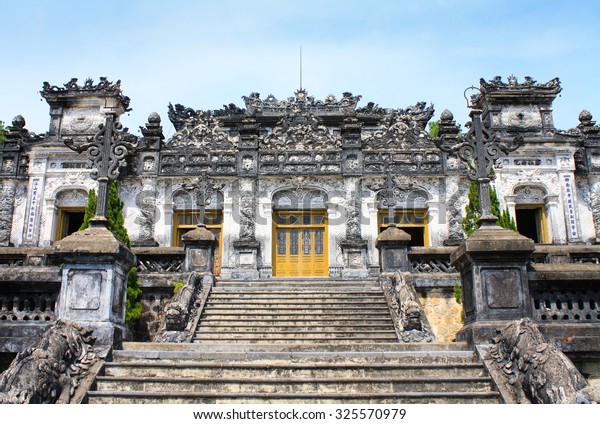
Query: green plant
(178, 286)
(434, 128)
(90, 209)
(472, 211)
(133, 306)
(459, 299)
(458, 293)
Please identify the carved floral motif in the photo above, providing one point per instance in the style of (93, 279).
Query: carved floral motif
(301, 132)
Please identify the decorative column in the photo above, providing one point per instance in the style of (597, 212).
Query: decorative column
(148, 159)
(493, 260)
(246, 248)
(14, 166)
(552, 214)
(589, 164)
(7, 204)
(354, 247)
(146, 202)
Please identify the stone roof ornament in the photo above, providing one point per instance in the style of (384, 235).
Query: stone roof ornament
(525, 92)
(199, 129)
(478, 150)
(301, 102)
(73, 89)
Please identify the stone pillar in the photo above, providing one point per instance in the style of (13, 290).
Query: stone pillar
(146, 202)
(354, 248)
(393, 250)
(246, 249)
(552, 215)
(7, 204)
(94, 282)
(493, 266)
(199, 250)
(355, 258)
(246, 260)
(511, 204)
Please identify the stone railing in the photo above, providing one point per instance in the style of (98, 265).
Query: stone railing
(160, 260)
(547, 254)
(428, 260)
(29, 289)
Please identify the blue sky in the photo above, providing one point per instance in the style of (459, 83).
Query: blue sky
(204, 54)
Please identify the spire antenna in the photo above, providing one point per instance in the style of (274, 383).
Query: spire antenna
(300, 66)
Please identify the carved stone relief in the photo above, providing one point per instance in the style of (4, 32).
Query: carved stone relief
(529, 194)
(301, 132)
(7, 201)
(72, 198)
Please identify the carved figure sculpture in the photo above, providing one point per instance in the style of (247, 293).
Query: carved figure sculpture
(536, 371)
(50, 372)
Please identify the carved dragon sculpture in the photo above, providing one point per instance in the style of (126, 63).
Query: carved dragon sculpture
(50, 372)
(533, 370)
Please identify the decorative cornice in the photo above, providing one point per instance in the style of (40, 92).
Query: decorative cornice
(301, 102)
(104, 88)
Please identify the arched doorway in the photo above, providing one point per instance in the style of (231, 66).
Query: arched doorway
(300, 246)
(530, 213)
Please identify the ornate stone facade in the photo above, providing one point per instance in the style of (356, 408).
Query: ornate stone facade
(332, 148)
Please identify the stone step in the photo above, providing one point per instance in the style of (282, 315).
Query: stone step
(274, 315)
(434, 350)
(313, 286)
(98, 397)
(292, 301)
(293, 322)
(271, 328)
(296, 335)
(302, 309)
(341, 294)
(294, 385)
(366, 353)
(298, 371)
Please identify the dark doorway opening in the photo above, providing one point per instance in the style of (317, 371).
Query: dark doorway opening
(69, 221)
(528, 223)
(417, 235)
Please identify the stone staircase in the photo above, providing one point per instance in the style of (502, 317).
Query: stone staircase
(299, 311)
(294, 342)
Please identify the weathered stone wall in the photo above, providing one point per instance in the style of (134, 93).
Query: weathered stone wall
(443, 313)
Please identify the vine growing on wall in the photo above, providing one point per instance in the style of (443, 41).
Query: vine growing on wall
(116, 224)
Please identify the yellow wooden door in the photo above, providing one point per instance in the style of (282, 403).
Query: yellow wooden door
(300, 245)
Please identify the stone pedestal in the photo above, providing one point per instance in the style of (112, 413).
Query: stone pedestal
(355, 258)
(246, 260)
(393, 250)
(495, 289)
(199, 250)
(94, 282)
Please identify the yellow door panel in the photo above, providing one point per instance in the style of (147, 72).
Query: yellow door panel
(300, 244)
